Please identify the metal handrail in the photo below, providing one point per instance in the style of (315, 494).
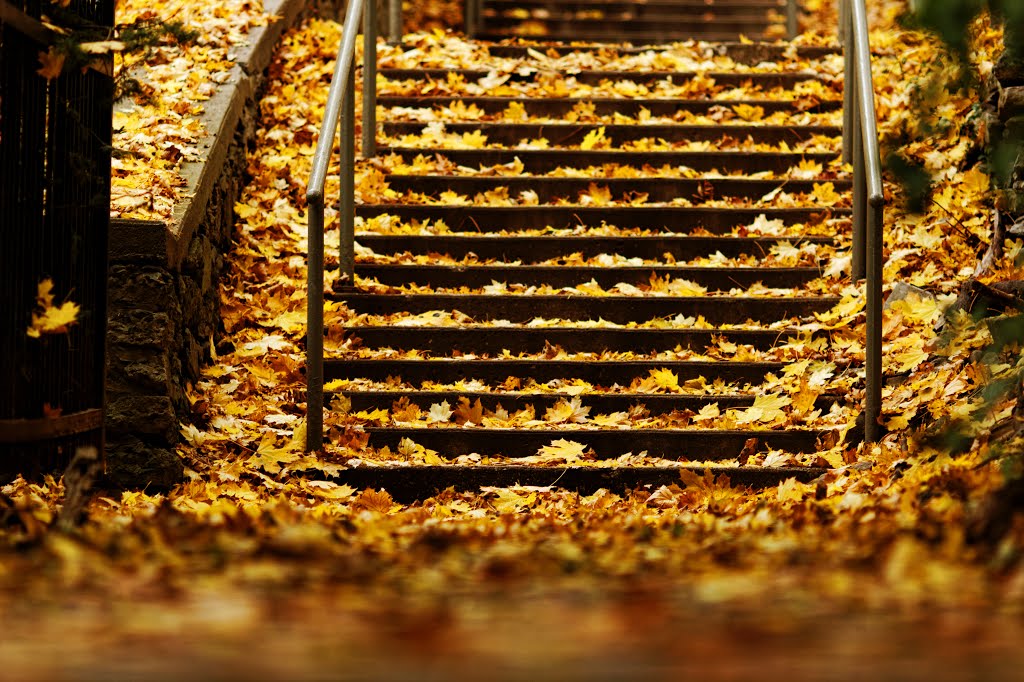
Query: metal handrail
(339, 111)
(861, 149)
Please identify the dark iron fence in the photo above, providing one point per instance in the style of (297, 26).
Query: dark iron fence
(54, 215)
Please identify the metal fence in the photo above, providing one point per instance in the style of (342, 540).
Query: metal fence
(55, 139)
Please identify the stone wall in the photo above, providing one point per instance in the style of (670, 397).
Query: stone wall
(164, 305)
(1008, 129)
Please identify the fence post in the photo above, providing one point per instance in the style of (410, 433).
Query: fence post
(370, 79)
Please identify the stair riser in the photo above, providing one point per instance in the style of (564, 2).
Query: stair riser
(497, 371)
(409, 484)
(620, 310)
(682, 445)
(678, 219)
(766, 80)
(741, 53)
(443, 341)
(663, 189)
(598, 403)
(570, 134)
(546, 160)
(622, 36)
(478, 276)
(557, 108)
(680, 9)
(680, 25)
(528, 249)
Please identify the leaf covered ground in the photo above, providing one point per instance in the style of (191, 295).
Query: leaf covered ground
(891, 556)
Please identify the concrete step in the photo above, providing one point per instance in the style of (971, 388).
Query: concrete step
(494, 340)
(565, 134)
(407, 484)
(475, 276)
(535, 248)
(538, 161)
(618, 309)
(607, 106)
(678, 219)
(660, 189)
(599, 403)
(762, 79)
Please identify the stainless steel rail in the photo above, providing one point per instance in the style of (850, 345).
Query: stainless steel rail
(861, 149)
(338, 112)
(792, 23)
(473, 10)
(394, 22)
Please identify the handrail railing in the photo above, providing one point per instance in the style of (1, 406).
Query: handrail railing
(861, 149)
(339, 110)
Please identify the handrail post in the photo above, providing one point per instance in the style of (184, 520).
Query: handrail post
(792, 24)
(315, 324)
(873, 350)
(860, 195)
(370, 79)
(845, 29)
(394, 22)
(347, 207)
(472, 10)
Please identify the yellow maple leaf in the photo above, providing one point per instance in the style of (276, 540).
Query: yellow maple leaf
(766, 409)
(805, 397)
(976, 181)
(376, 501)
(596, 195)
(439, 412)
(469, 413)
(571, 411)
(514, 112)
(790, 490)
(908, 359)
(50, 319)
(612, 419)
(510, 501)
(595, 139)
(474, 140)
(826, 193)
(665, 379)
(748, 112)
(269, 457)
(561, 449)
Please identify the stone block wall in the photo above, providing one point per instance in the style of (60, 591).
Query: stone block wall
(163, 300)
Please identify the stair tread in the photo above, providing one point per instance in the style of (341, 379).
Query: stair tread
(418, 482)
(607, 443)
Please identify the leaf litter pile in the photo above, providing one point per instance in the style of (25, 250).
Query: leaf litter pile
(890, 548)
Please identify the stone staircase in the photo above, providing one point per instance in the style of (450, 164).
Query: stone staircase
(573, 262)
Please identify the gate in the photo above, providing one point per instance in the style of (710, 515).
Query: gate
(54, 213)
